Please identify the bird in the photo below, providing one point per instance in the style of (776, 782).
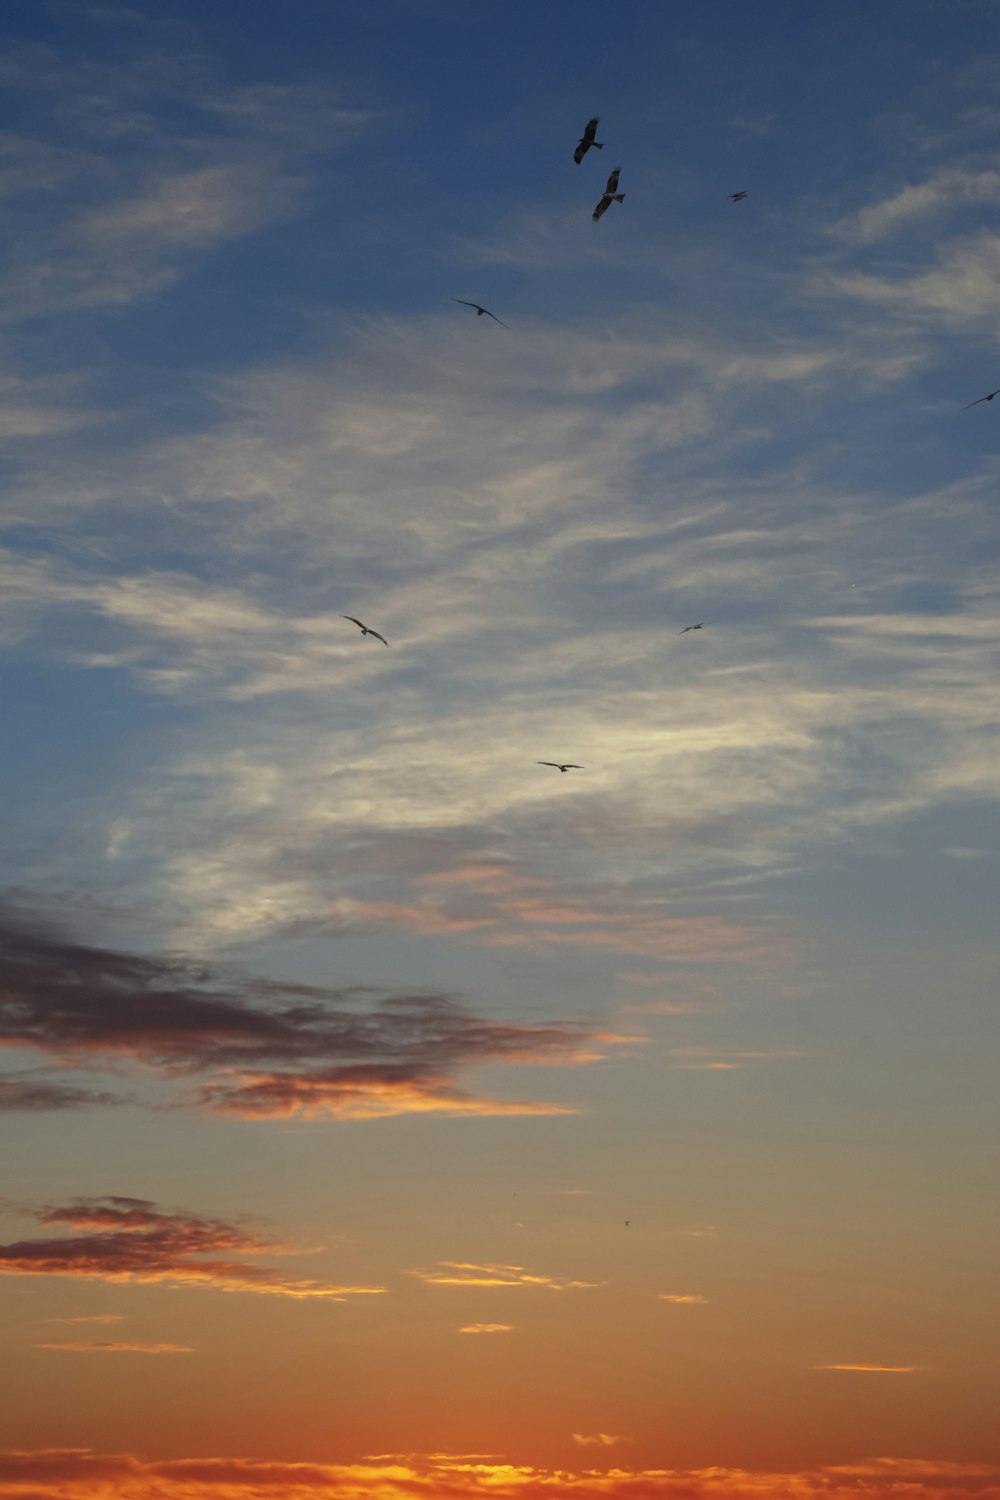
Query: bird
(627, 1223)
(983, 398)
(569, 766)
(365, 629)
(691, 627)
(610, 195)
(480, 310)
(737, 197)
(587, 140)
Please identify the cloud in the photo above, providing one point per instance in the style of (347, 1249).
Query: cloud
(131, 1240)
(467, 1273)
(950, 188)
(90, 1318)
(682, 1297)
(268, 1049)
(873, 1369)
(109, 1348)
(963, 288)
(598, 1439)
(487, 1328)
(16, 1094)
(83, 1474)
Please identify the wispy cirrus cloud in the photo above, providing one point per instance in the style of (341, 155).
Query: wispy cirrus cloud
(487, 1328)
(872, 1369)
(683, 1299)
(263, 1049)
(598, 1439)
(468, 1273)
(119, 1348)
(84, 1474)
(131, 1240)
(950, 188)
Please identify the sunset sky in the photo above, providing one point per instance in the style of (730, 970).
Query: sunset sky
(386, 1114)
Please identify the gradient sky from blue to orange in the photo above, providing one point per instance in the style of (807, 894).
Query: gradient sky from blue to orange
(333, 1023)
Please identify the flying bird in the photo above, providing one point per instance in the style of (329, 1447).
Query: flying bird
(737, 197)
(691, 627)
(480, 310)
(587, 140)
(983, 398)
(569, 766)
(611, 195)
(365, 629)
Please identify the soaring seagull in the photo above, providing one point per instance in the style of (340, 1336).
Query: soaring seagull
(569, 766)
(480, 310)
(587, 140)
(737, 197)
(691, 627)
(611, 195)
(365, 629)
(983, 398)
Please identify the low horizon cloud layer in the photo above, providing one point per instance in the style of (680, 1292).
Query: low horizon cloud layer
(84, 1475)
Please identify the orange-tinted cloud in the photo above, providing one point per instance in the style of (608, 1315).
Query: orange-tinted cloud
(487, 1328)
(109, 1348)
(131, 1240)
(873, 1369)
(467, 1273)
(91, 1318)
(80, 1474)
(682, 1297)
(262, 1048)
(599, 1439)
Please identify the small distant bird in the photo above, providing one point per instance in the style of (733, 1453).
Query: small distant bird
(365, 629)
(587, 140)
(627, 1223)
(691, 627)
(480, 311)
(737, 197)
(611, 195)
(569, 766)
(983, 398)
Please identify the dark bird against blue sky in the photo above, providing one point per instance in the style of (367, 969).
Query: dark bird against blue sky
(611, 195)
(480, 311)
(587, 140)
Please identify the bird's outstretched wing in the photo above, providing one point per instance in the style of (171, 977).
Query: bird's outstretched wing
(554, 763)
(377, 636)
(612, 185)
(691, 627)
(737, 197)
(602, 207)
(983, 398)
(354, 621)
(571, 766)
(494, 317)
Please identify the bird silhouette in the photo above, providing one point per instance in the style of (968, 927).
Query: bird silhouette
(365, 629)
(983, 398)
(691, 627)
(587, 140)
(737, 197)
(611, 195)
(480, 310)
(569, 766)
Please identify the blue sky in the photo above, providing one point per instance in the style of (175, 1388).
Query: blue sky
(753, 937)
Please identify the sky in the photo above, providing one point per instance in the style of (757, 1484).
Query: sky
(388, 1114)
